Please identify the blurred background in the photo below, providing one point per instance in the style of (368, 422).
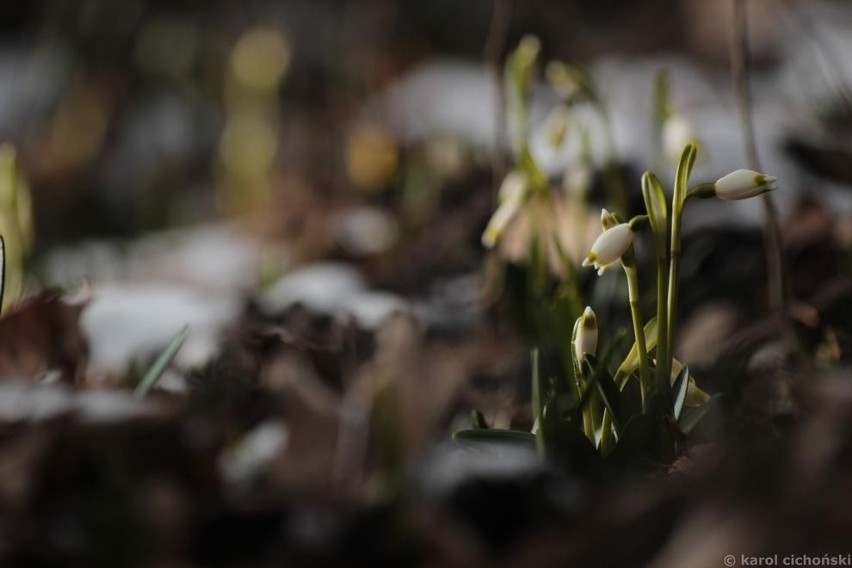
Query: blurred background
(285, 176)
(138, 115)
(183, 155)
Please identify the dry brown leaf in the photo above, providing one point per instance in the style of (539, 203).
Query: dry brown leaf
(42, 335)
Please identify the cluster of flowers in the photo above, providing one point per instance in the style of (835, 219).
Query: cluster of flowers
(611, 245)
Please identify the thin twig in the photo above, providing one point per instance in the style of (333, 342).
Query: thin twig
(495, 43)
(739, 51)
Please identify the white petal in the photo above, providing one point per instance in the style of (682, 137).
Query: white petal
(613, 243)
(742, 184)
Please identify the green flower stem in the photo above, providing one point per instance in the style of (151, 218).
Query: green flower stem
(679, 195)
(702, 191)
(663, 361)
(638, 329)
(674, 268)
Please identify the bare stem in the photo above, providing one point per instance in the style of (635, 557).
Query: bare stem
(674, 268)
(771, 235)
(663, 357)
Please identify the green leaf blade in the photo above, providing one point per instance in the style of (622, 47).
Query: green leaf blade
(161, 364)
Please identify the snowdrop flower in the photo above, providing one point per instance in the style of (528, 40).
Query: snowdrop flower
(743, 184)
(586, 340)
(511, 197)
(609, 247)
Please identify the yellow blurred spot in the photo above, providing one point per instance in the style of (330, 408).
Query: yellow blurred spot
(260, 59)
(371, 157)
(248, 145)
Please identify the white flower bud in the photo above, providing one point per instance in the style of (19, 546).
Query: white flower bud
(743, 184)
(586, 340)
(609, 247)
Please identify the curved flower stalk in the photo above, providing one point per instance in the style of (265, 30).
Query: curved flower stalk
(615, 245)
(628, 419)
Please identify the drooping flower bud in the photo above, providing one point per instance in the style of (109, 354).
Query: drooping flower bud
(609, 247)
(742, 184)
(586, 339)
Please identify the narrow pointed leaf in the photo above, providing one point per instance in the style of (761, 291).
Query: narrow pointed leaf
(684, 169)
(610, 394)
(161, 364)
(631, 362)
(655, 203)
(680, 386)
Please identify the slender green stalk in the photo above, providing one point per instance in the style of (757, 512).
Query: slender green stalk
(674, 269)
(684, 168)
(663, 360)
(638, 330)
(655, 202)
